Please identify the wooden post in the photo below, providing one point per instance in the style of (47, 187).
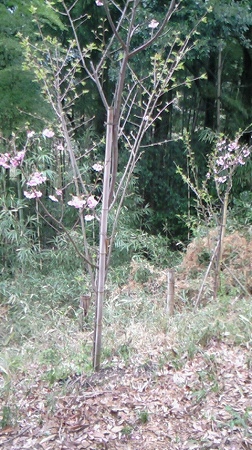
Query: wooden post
(170, 292)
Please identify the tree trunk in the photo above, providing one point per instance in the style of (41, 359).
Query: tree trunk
(210, 93)
(101, 275)
(221, 245)
(218, 105)
(246, 81)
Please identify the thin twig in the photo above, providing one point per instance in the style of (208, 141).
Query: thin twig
(15, 437)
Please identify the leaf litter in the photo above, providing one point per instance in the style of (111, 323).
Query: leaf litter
(205, 404)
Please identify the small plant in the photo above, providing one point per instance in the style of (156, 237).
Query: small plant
(143, 416)
(8, 416)
(239, 420)
(127, 430)
(142, 275)
(124, 352)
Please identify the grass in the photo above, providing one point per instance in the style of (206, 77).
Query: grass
(41, 339)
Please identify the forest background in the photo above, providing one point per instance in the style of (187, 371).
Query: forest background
(207, 97)
(221, 49)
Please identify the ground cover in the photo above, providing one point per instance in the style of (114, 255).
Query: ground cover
(182, 382)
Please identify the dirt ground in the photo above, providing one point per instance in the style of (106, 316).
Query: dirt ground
(205, 404)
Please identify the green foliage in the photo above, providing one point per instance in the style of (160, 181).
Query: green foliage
(64, 254)
(15, 105)
(227, 22)
(241, 212)
(19, 246)
(131, 242)
(8, 416)
(34, 300)
(142, 274)
(163, 190)
(143, 416)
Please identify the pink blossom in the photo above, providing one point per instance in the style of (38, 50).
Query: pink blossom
(220, 161)
(14, 162)
(60, 147)
(220, 145)
(32, 194)
(89, 217)
(30, 134)
(5, 160)
(37, 178)
(58, 192)
(233, 146)
(18, 159)
(91, 202)
(153, 24)
(77, 202)
(221, 179)
(53, 198)
(48, 133)
(246, 152)
(240, 161)
(97, 167)
(99, 3)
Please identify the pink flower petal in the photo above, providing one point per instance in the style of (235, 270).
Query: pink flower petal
(53, 198)
(48, 133)
(91, 202)
(153, 24)
(97, 167)
(77, 202)
(89, 217)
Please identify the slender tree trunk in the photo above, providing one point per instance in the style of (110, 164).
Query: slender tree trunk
(19, 191)
(210, 93)
(246, 77)
(221, 245)
(218, 104)
(101, 275)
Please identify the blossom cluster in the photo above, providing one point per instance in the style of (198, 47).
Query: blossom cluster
(230, 154)
(48, 133)
(7, 161)
(80, 202)
(36, 179)
(97, 167)
(58, 193)
(33, 194)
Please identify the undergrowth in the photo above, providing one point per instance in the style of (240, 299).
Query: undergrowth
(41, 338)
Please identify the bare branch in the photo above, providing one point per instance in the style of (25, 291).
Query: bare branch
(172, 8)
(112, 25)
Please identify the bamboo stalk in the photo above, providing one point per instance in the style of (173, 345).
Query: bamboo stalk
(101, 276)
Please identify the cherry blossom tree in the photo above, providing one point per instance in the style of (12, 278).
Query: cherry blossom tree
(135, 98)
(223, 163)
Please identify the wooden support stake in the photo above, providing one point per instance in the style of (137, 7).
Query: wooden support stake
(170, 292)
